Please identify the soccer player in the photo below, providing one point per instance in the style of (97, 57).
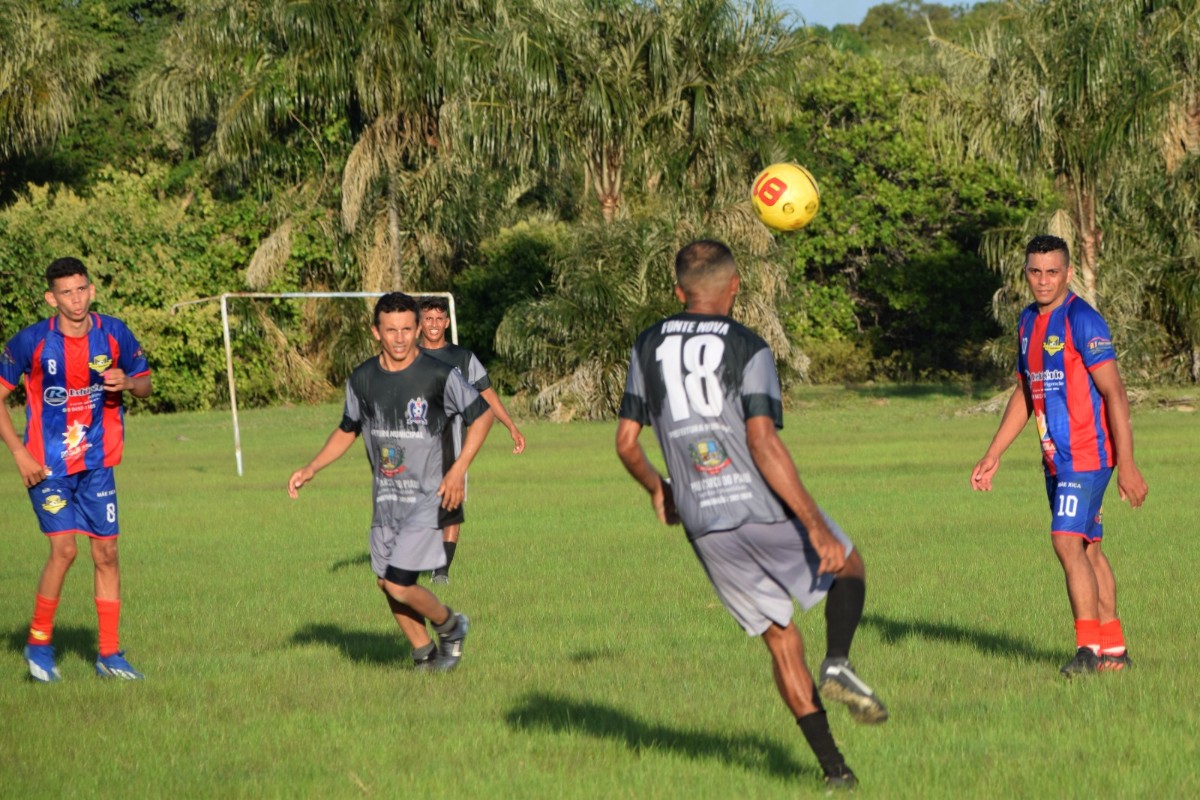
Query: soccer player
(435, 317)
(709, 388)
(1068, 381)
(77, 364)
(401, 402)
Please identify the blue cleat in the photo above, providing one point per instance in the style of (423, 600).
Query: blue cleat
(42, 667)
(115, 666)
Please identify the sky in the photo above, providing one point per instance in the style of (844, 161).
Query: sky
(835, 12)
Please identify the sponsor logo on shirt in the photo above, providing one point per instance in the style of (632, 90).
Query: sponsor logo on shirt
(75, 440)
(1053, 345)
(100, 363)
(708, 456)
(1098, 345)
(391, 460)
(417, 411)
(54, 396)
(1046, 375)
(1044, 435)
(54, 504)
(7, 357)
(1024, 344)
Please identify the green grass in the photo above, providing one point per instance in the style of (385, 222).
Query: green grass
(600, 663)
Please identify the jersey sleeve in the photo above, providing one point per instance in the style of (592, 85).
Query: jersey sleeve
(132, 359)
(633, 401)
(476, 375)
(351, 412)
(463, 399)
(14, 361)
(1092, 338)
(761, 392)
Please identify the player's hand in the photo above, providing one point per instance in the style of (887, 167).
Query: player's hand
(663, 501)
(1132, 485)
(298, 479)
(981, 476)
(452, 488)
(114, 380)
(32, 473)
(830, 549)
(518, 441)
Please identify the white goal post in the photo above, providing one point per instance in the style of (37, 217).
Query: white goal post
(224, 300)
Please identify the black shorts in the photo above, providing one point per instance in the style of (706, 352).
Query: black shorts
(448, 518)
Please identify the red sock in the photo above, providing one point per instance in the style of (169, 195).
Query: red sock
(42, 627)
(109, 614)
(1087, 634)
(1112, 638)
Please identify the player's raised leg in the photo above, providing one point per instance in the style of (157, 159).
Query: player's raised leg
(843, 610)
(451, 627)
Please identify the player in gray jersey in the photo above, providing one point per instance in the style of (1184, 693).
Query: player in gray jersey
(709, 388)
(435, 317)
(401, 402)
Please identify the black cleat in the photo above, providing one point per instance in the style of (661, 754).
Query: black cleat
(440, 575)
(450, 646)
(1085, 662)
(842, 780)
(838, 681)
(1111, 663)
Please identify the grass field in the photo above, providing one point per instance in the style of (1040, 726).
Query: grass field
(599, 662)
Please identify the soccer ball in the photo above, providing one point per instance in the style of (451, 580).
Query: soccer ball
(785, 197)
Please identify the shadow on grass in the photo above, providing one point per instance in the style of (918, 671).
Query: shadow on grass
(68, 641)
(995, 644)
(543, 712)
(364, 647)
(353, 561)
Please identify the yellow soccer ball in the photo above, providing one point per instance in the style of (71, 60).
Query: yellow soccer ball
(785, 197)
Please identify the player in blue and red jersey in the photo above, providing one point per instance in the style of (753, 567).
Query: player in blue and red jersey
(1068, 381)
(76, 365)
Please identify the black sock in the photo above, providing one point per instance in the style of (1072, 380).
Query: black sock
(815, 728)
(449, 548)
(843, 610)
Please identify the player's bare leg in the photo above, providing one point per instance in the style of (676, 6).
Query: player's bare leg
(450, 627)
(1113, 655)
(39, 651)
(111, 662)
(1083, 591)
(799, 693)
(54, 574)
(1106, 583)
(108, 573)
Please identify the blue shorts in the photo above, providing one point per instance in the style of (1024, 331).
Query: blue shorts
(85, 502)
(1076, 503)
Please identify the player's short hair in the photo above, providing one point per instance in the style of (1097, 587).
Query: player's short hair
(434, 303)
(1045, 243)
(393, 302)
(64, 268)
(702, 260)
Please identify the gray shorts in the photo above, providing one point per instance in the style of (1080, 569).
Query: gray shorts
(758, 568)
(414, 549)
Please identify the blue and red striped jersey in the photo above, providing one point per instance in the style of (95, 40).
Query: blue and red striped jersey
(72, 424)
(1058, 351)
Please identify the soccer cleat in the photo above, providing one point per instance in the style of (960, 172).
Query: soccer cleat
(1085, 662)
(440, 575)
(842, 780)
(1111, 663)
(427, 663)
(838, 681)
(115, 666)
(450, 646)
(40, 658)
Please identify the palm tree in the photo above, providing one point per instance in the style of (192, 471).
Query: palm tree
(44, 75)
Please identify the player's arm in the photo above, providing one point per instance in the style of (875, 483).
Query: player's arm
(773, 460)
(493, 401)
(1016, 415)
(32, 473)
(630, 451)
(115, 380)
(1130, 482)
(335, 447)
(454, 483)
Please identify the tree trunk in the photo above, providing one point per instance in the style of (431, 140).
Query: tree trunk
(1091, 238)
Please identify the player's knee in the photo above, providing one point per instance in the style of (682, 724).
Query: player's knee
(104, 553)
(63, 551)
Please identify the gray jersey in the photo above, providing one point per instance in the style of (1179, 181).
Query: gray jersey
(696, 379)
(404, 418)
(465, 362)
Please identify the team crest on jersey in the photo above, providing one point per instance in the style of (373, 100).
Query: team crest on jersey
(708, 456)
(1053, 345)
(417, 411)
(391, 461)
(100, 363)
(54, 504)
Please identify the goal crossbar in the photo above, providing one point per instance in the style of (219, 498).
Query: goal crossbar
(224, 301)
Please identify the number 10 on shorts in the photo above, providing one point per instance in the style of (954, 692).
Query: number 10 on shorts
(1068, 504)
